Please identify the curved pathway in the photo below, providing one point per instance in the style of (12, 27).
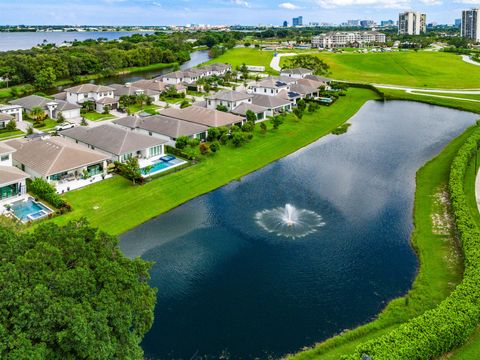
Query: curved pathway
(469, 60)
(275, 63)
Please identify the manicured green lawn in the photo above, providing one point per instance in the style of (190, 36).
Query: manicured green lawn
(6, 134)
(414, 69)
(116, 206)
(441, 263)
(151, 109)
(249, 56)
(94, 116)
(49, 124)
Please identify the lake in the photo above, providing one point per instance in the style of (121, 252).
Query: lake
(228, 286)
(27, 40)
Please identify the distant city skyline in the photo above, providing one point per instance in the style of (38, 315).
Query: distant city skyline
(228, 12)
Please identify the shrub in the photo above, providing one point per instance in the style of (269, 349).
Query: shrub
(182, 142)
(237, 139)
(204, 148)
(276, 121)
(213, 134)
(247, 127)
(222, 108)
(11, 125)
(43, 190)
(214, 146)
(263, 127)
(224, 139)
(449, 325)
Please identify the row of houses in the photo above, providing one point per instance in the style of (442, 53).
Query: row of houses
(80, 155)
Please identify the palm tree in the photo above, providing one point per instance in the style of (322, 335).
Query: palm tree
(37, 114)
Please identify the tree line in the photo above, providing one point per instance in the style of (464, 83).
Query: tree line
(44, 65)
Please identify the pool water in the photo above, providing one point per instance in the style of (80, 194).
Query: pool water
(162, 164)
(30, 210)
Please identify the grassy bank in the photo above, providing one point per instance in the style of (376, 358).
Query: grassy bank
(116, 206)
(438, 252)
(414, 69)
(461, 96)
(451, 103)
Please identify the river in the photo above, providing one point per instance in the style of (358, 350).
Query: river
(227, 286)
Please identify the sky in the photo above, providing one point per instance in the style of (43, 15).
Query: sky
(246, 12)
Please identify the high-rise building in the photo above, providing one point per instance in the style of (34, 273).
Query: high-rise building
(285, 23)
(458, 23)
(471, 24)
(367, 23)
(387, 23)
(353, 23)
(297, 21)
(412, 23)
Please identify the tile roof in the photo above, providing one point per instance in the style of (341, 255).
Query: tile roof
(164, 125)
(6, 149)
(228, 95)
(32, 101)
(244, 107)
(297, 71)
(10, 174)
(87, 88)
(54, 155)
(270, 102)
(112, 138)
(203, 116)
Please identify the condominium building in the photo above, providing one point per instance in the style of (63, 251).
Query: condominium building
(412, 23)
(471, 24)
(340, 39)
(297, 21)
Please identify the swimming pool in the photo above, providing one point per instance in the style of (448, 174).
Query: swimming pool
(162, 164)
(30, 210)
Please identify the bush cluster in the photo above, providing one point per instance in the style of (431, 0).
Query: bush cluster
(447, 326)
(43, 190)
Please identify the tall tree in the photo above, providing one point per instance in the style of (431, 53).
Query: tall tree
(69, 293)
(311, 62)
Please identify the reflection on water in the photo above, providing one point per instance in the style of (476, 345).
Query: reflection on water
(225, 285)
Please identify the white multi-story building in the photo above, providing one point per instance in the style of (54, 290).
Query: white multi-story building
(412, 23)
(340, 39)
(471, 24)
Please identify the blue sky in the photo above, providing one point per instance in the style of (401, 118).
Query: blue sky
(251, 12)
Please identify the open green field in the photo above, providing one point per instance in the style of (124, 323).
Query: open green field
(249, 56)
(413, 69)
(116, 206)
(441, 263)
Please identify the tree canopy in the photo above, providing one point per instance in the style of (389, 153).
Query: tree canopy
(311, 62)
(68, 292)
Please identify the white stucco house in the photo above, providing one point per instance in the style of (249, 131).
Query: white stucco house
(272, 86)
(51, 107)
(12, 179)
(297, 73)
(13, 110)
(229, 99)
(88, 92)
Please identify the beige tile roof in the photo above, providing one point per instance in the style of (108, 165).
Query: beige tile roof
(164, 125)
(5, 148)
(86, 88)
(203, 116)
(155, 85)
(10, 174)
(54, 155)
(243, 108)
(228, 95)
(112, 138)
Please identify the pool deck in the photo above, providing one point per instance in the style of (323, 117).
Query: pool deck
(152, 161)
(66, 186)
(10, 201)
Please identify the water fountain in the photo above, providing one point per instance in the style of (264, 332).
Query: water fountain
(288, 221)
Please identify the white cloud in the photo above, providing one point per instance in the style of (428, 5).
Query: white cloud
(389, 4)
(431, 2)
(289, 6)
(241, 3)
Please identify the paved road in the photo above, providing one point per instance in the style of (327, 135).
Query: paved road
(275, 63)
(469, 60)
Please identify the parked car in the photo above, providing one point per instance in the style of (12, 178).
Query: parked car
(64, 126)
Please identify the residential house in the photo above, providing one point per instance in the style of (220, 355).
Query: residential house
(190, 76)
(57, 160)
(298, 73)
(273, 104)
(204, 116)
(99, 94)
(13, 110)
(12, 179)
(229, 99)
(163, 127)
(272, 85)
(116, 142)
(51, 107)
(131, 90)
(4, 120)
(305, 90)
(316, 81)
(259, 111)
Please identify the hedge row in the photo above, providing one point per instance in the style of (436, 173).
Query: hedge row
(43, 190)
(447, 326)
